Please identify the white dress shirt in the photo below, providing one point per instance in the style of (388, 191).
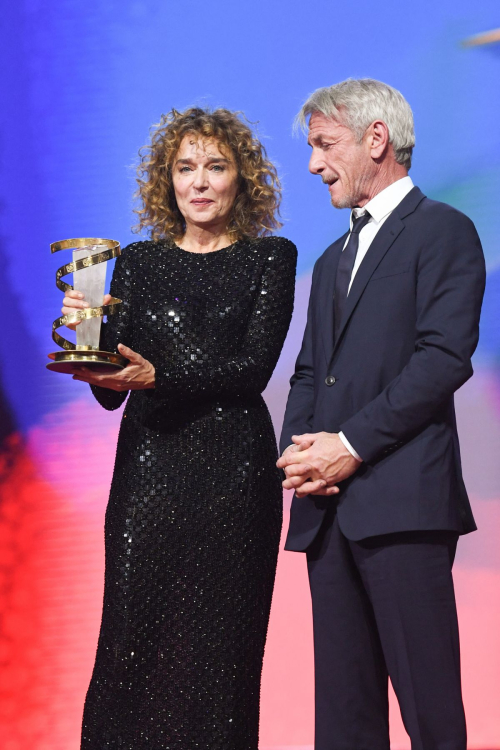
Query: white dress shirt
(379, 208)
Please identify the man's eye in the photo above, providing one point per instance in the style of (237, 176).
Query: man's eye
(217, 168)
(185, 169)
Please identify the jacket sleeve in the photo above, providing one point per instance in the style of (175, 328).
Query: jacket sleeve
(449, 291)
(250, 370)
(300, 404)
(118, 329)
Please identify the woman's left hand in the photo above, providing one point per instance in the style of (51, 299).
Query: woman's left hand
(138, 375)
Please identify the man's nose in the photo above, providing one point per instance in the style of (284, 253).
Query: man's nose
(316, 164)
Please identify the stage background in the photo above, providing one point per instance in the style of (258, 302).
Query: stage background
(83, 82)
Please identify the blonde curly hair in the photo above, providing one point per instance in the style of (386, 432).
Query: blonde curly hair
(255, 210)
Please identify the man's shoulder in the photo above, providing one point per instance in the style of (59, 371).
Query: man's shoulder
(435, 211)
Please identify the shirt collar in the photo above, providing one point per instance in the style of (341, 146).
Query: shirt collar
(386, 201)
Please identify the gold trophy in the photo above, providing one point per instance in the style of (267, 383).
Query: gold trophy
(89, 277)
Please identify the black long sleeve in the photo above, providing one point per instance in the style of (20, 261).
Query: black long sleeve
(118, 329)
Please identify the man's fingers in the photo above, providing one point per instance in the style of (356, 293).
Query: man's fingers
(288, 457)
(297, 439)
(307, 437)
(327, 491)
(298, 447)
(292, 483)
(297, 470)
(304, 446)
(308, 488)
(293, 457)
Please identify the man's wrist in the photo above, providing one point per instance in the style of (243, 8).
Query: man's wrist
(349, 447)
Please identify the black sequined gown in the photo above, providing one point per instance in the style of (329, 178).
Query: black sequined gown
(194, 514)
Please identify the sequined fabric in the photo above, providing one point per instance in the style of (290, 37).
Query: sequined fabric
(194, 515)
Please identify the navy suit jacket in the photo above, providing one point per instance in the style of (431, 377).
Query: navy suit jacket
(409, 329)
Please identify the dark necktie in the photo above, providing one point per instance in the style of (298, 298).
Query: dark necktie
(345, 266)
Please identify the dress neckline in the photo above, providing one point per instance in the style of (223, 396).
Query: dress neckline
(210, 252)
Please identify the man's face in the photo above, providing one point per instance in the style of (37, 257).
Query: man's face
(344, 164)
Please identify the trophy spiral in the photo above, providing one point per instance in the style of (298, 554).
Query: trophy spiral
(89, 277)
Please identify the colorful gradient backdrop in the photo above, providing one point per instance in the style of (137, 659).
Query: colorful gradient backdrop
(83, 82)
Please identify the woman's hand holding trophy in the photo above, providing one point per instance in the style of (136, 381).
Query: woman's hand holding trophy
(139, 374)
(83, 311)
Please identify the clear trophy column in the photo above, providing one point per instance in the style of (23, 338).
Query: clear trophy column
(89, 277)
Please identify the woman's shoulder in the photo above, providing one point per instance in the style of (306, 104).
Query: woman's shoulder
(140, 247)
(138, 251)
(278, 246)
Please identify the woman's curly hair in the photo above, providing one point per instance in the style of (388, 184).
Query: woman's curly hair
(256, 207)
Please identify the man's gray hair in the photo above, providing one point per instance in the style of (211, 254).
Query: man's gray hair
(356, 103)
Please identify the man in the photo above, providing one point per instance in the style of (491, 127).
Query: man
(369, 440)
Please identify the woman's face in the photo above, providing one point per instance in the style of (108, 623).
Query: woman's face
(205, 182)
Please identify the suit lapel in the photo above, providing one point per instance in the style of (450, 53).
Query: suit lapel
(385, 237)
(326, 313)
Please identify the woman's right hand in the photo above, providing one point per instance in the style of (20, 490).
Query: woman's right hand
(74, 301)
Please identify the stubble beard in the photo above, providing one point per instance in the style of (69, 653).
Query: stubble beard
(346, 201)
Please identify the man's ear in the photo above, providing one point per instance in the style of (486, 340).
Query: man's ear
(378, 138)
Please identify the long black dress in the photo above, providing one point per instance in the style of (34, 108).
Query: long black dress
(194, 514)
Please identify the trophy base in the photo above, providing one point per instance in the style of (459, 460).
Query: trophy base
(68, 361)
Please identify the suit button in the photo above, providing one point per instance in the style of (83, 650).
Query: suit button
(330, 380)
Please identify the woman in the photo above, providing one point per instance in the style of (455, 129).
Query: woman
(194, 515)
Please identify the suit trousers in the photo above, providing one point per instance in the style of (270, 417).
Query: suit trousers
(385, 607)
